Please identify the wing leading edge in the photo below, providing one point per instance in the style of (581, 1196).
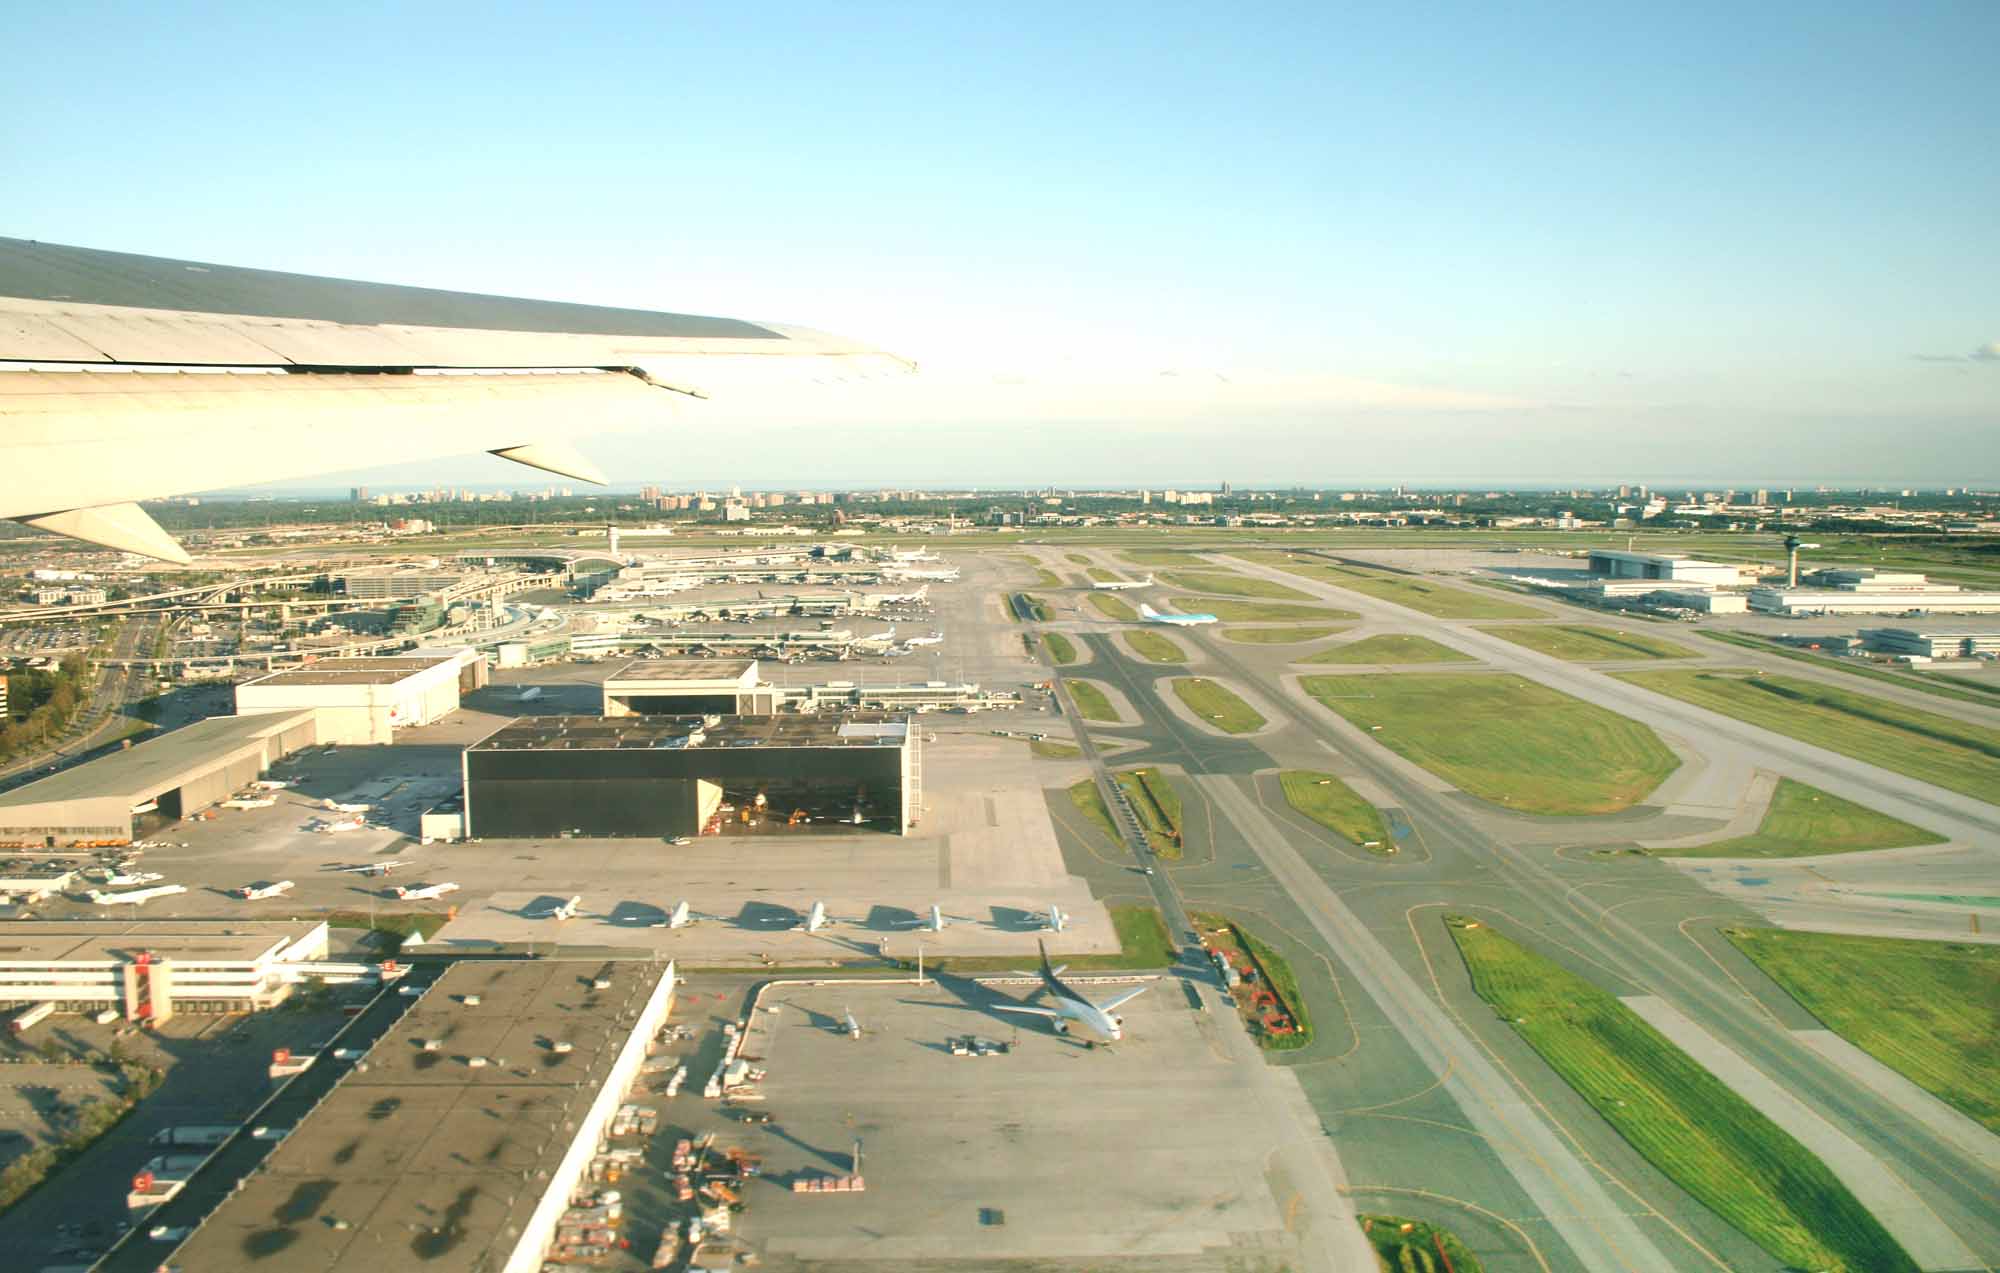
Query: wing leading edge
(124, 378)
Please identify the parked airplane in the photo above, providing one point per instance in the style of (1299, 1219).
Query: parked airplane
(424, 893)
(679, 917)
(530, 694)
(592, 368)
(343, 824)
(935, 924)
(345, 808)
(816, 919)
(1120, 585)
(935, 638)
(566, 910)
(258, 892)
(373, 868)
(1070, 1006)
(137, 897)
(1055, 921)
(852, 1026)
(1151, 615)
(122, 879)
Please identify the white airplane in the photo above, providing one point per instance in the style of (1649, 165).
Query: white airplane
(1120, 585)
(566, 910)
(1055, 921)
(530, 694)
(123, 879)
(137, 897)
(260, 376)
(274, 784)
(258, 892)
(424, 893)
(853, 1027)
(1072, 1007)
(1151, 615)
(345, 808)
(935, 638)
(343, 824)
(679, 917)
(935, 924)
(373, 868)
(905, 598)
(816, 919)
(877, 640)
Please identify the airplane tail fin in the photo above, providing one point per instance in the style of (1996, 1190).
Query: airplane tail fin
(1147, 580)
(1147, 611)
(1043, 947)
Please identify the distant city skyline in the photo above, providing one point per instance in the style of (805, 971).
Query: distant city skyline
(1461, 244)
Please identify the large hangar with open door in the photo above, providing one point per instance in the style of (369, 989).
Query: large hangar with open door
(668, 776)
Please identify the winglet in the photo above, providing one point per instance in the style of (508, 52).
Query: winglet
(126, 527)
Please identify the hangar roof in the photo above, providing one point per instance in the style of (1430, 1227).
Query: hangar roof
(159, 764)
(597, 733)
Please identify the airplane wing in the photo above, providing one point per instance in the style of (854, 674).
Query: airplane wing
(1025, 1010)
(1116, 1000)
(125, 378)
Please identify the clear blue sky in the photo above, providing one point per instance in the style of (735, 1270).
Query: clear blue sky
(1477, 242)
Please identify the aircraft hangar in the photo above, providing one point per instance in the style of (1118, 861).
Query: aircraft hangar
(128, 794)
(562, 776)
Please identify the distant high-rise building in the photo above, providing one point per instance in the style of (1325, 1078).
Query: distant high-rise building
(1225, 488)
(1763, 496)
(359, 494)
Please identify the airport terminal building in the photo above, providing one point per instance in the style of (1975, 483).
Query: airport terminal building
(666, 776)
(150, 970)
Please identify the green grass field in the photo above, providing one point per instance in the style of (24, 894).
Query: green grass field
(1963, 688)
(1391, 648)
(1090, 804)
(394, 928)
(1516, 743)
(1046, 578)
(1224, 584)
(1230, 611)
(1278, 971)
(1217, 705)
(1090, 701)
(1161, 556)
(1158, 806)
(1036, 607)
(1417, 592)
(1113, 608)
(1101, 575)
(1925, 1009)
(1938, 749)
(1416, 1246)
(1684, 1120)
(1078, 558)
(1337, 807)
(1283, 636)
(1580, 643)
(1049, 750)
(1155, 648)
(1805, 822)
(1060, 648)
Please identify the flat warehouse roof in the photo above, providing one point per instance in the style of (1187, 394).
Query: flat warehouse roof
(159, 764)
(683, 670)
(432, 1162)
(105, 941)
(354, 671)
(596, 733)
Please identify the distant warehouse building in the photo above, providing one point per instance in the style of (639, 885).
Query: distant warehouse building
(688, 687)
(1873, 592)
(361, 701)
(555, 776)
(1933, 645)
(1670, 567)
(130, 794)
(473, 1157)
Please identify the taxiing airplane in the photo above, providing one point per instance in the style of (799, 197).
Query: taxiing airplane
(121, 879)
(137, 897)
(566, 910)
(1071, 1007)
(1151, 615)
(372, 868)
(257, 376)
(816, 919)
(258, 892)
(530, 694)
(1120, 585)
(425, 892)
(852, 1027)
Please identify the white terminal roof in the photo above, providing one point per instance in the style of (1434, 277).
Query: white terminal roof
(685, 672)
(117, 940)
